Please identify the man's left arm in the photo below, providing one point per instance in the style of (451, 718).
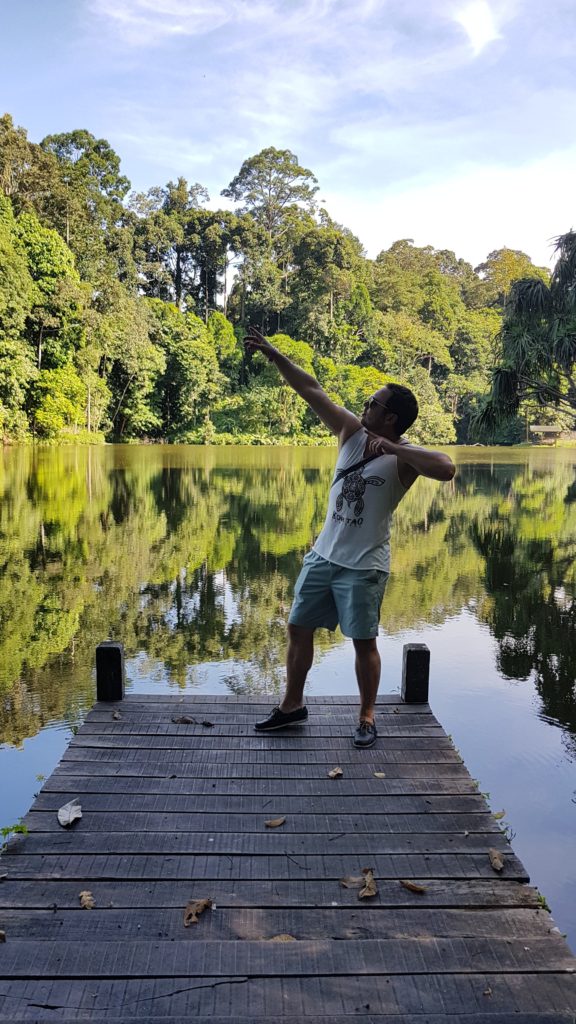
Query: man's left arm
(414, 461)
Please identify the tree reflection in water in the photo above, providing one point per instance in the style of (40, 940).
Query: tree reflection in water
(189, 556)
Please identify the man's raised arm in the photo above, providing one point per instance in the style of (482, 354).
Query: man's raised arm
(340, 421)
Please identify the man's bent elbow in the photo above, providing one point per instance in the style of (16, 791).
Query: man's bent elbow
(448, 470)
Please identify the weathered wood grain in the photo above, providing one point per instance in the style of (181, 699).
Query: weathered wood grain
(273, 998)
(224, 867)
(152, 957)
(358, 922)
(448, 893)
(176, 812)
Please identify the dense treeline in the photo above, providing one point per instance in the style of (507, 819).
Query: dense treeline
(122, 314)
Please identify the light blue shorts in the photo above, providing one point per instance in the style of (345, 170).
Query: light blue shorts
(327, 595)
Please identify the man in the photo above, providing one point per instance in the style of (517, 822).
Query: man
(344, 575)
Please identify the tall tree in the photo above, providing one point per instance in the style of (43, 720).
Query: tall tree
(270, 186)
(164, 238)
(88, 205)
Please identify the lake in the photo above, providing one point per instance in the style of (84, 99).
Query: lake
(189, 556)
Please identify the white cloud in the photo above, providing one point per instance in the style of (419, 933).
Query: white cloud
(472, 213)
(386, 101)
(149, 22)
(477, 20)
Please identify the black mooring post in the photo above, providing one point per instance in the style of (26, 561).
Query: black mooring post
(109, 671)
(415, 673)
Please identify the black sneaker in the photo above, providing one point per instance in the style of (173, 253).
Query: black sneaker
(279, 719)
(365, 735)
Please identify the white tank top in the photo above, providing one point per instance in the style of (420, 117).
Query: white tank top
(356, 532)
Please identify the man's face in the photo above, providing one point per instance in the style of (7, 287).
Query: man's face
(376, 416)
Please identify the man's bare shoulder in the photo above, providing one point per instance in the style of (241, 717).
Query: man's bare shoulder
(350, 426)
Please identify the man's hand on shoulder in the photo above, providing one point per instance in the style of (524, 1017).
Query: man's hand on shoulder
(377, 445)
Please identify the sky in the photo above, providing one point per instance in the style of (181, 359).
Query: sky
(450, 123)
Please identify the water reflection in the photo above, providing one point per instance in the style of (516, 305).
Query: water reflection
(189, 556)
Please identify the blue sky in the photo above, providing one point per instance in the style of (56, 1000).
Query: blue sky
(451, 123)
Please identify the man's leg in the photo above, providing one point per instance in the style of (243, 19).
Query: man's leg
(298, 664)
(368, 676)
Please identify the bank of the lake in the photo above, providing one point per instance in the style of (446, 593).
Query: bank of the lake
(189, 554)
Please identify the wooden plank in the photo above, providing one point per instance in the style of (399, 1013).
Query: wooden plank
(288, 740)
(265, 699)
(363, 921)
(363, 1018)
(462, 832)
(111, 763)
(468, 803)
(278, 997)
(268, 842)
(224, 867)
(248, 713)
(314, 730)
(153, 958)
(320, 825)
(54, 893)
(286, 752)
(65, 782)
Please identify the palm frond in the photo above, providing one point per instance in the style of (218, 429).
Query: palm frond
(564, 274)
(528, 299)
(564, 351)
(505, 392)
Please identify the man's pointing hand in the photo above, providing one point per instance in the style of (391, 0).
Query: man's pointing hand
(256, 342)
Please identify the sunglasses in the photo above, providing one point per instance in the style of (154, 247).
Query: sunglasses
(374, 401)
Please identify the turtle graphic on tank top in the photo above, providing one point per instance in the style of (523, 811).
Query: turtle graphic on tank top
(353, 488)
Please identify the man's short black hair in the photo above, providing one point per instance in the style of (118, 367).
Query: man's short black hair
(404, 404)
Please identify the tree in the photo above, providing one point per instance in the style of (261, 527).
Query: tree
(165, 238)
(87, 207)
(53, 324)
(29, 177)
(58, 401)
(501, 269)
(537, 353)
(190, 381)
(271, 186)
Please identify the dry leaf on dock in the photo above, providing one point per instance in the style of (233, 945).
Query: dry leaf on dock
(282, 938)
(496, 859)
(274, 822)
(379, 775)
(184, 720)
(69, 813)
(370, 888)
(193, 909)
(87, 901)
(412, 886)
(352, 881)
(116, 716)
(336, 773)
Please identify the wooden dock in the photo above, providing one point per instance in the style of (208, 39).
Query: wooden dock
(176, 811)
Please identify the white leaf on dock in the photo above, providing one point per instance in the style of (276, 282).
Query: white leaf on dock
(68, 814)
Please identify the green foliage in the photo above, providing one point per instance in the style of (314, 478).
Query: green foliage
(58, 401)
(537, 354)
(190, 381)
(7, 831)
(271, 187)
(143, 298)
